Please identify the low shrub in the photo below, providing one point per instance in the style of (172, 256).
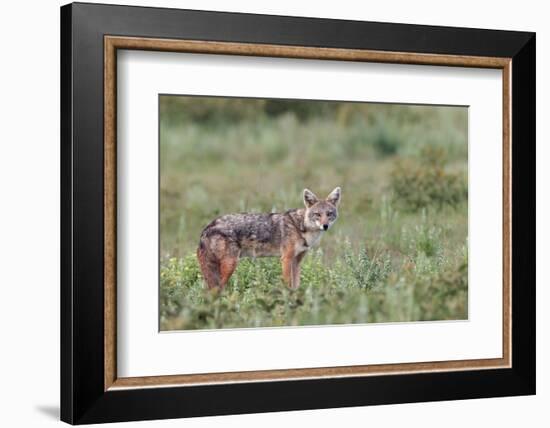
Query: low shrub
(443, 296)
(385, 141)
(364, 272)
(418, 184)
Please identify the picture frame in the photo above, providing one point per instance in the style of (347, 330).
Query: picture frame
(91, 35)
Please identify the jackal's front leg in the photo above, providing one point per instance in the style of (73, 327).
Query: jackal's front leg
(286, 262)
(295, 283)
(291, 269)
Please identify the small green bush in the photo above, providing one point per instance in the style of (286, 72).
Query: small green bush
(444, 295)
(365, 272)
(385, 141)
(425, 238)
(426, 183)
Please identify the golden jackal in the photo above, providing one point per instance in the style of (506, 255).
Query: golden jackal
(287, 235)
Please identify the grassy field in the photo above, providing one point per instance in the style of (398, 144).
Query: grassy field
(398, 251)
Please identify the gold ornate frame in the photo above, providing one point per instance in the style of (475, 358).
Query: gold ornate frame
(114, 43)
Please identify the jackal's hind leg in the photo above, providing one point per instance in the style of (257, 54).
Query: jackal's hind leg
(210, 267)
(227, 266)
(218, 258)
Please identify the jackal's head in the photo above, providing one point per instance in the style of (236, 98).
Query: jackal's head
(321, 213)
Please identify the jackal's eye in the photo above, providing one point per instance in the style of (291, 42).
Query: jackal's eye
(330, 213)
(316, 215)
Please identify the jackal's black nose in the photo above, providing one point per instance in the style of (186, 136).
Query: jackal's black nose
(325, 226)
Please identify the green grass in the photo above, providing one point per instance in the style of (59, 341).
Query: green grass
(398, 251)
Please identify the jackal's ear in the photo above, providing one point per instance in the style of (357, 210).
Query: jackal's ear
(309, 198)
(334, 197)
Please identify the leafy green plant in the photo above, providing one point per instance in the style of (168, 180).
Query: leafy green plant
(418, 184)
(444, 295)
(366, 272)
(385, 141)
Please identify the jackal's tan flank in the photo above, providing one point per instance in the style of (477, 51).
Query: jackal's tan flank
(287, 235)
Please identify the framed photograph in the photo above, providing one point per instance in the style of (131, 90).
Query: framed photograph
(265, 213)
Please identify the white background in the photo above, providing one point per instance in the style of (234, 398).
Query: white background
(142, 351)
(29, 230)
